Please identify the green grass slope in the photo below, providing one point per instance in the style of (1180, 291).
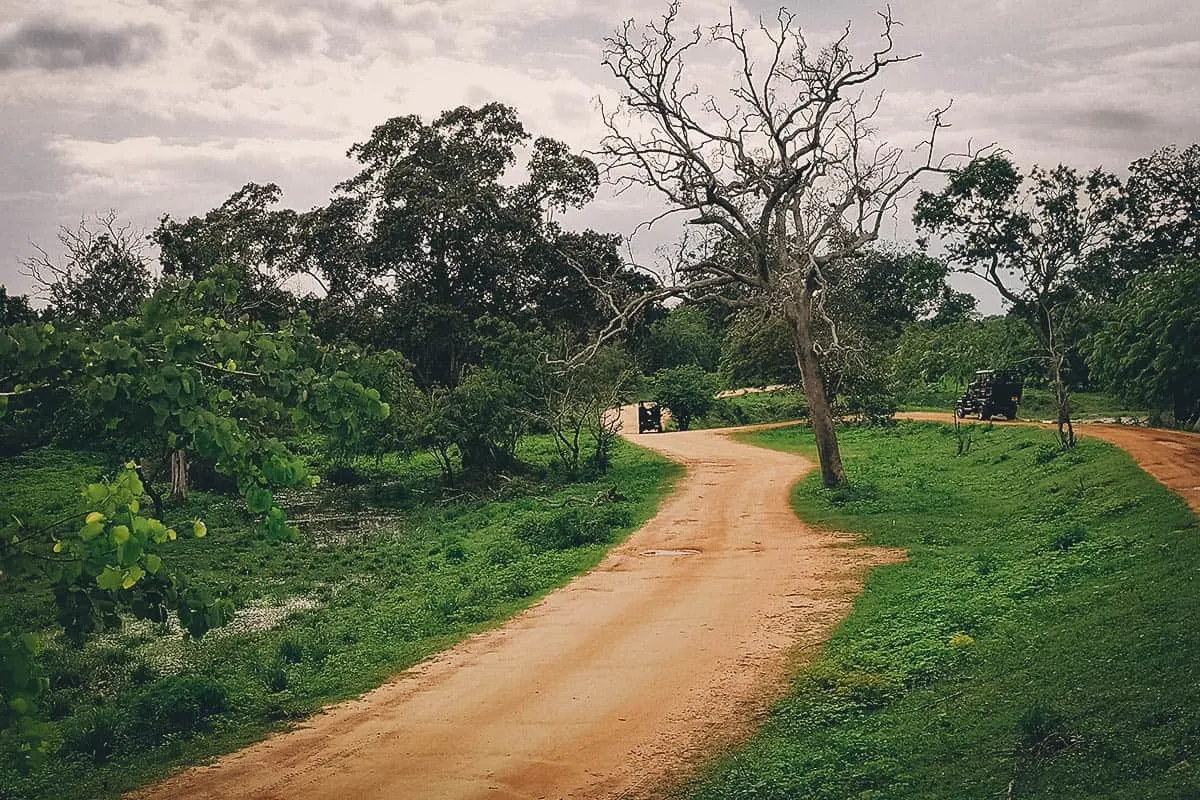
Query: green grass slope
(1040, 642)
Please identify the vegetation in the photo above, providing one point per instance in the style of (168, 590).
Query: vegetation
(686, 391)
(754, 408)
(1036, 643)
(432, 350)
(379, 577)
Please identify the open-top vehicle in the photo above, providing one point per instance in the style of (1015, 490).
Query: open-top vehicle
(993, 392)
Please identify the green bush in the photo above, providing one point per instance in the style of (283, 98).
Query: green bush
(573, 527)
(177, 705)
(94, 733)
(686, 391)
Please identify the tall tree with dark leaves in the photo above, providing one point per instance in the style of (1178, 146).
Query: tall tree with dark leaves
(449, 232)
(1031, 239)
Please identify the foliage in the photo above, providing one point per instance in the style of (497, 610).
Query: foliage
(167, 379)
(243, 239)
(684, 336)
(933, 354)
(417, 569)
(1148, 351)
(757, 351)
(451, 236)
(1031, 241)
(993, 661)
(686, 391)
(753, 408)
(101, 277)
(15, 309)
(1161, 221)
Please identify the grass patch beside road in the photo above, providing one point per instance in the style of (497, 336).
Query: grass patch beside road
(1040, 642)
(753, 408)
(387, 572)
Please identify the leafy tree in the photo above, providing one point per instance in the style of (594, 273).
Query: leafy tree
(243, 238)
(451, 235)
(757, 351)
(390, 374)
(172, 379)
(100, 277)
(686, 391)
(1031, 241)
(169, 378)
(1148, 351)
(1160, 221)
(954, 307)
(684, 336)
(15, 309)
(932, 353)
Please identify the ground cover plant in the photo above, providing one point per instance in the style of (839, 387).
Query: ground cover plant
(386, 571)
(1036, 403)
(1039, 642)
(754, 408)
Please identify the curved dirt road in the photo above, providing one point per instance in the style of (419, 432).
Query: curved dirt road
(613, 686)
(1173, 457)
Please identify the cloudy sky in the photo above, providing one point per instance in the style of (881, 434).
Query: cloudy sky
(168, 106)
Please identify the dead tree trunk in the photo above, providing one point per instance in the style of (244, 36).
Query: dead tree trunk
(820, 412)
(179, 476)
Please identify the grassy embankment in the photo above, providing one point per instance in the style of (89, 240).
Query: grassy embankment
(1040, 642)
(788, 404)
(387, 573)
(1036, 404)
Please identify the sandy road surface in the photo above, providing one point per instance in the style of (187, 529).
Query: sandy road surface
(610, 687)
(1173, 457)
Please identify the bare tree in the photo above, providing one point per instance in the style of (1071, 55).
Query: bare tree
(781, 175)
(101, 274)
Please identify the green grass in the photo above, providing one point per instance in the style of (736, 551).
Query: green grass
(405, 570)
(1042, 634)
(754, 408)
(1036, 404)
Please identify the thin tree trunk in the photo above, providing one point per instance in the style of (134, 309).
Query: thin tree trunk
(820, 413)
(1066, 431)
(179, 476)
(155, 497)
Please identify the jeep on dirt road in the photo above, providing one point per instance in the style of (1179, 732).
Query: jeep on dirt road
(992, 392)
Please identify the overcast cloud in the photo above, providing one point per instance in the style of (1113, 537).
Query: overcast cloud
(168, 106)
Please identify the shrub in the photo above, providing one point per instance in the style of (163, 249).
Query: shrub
(573, 527)
(94, 733)
(178, 705)
(686, 391)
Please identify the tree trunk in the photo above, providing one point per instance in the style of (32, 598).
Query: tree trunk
(179, 476)
(820, 413)
(1066, 431)
(155, 497)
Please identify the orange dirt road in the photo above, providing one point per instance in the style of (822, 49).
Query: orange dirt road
(1173, 457)
(617, 684)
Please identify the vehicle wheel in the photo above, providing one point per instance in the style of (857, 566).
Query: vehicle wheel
(985, 414)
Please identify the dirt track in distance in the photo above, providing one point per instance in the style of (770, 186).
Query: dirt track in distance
(1173, 457)
(615, 685)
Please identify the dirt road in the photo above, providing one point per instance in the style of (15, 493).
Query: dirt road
(611, 687)
(1173, 457)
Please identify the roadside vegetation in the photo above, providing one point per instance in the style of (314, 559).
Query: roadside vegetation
(1038, 642)
(383, 573)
